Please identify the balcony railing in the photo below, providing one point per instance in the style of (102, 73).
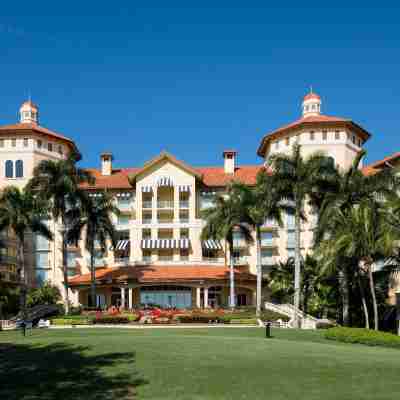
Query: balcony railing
(213, 260)
(8, 260)
(165, 258)
(240, 260)
(146, 259)
(268, 243)
(165, 220)
(147, 220)
(270, 223)
(184, 220)
(122, 261)
(147, 204)
(165, 204)
(184, 204)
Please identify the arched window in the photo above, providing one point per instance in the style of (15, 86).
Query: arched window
(9, 169)
(19, 169)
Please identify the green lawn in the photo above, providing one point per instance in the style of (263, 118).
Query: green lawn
(219, 363)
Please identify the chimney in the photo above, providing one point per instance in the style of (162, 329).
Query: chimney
(106, 163)
(229, 161)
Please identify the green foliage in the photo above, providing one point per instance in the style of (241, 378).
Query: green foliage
(71, 320)
(45, 294)
(200, 319)
(9, 301)
(111, 319)
(363, 336)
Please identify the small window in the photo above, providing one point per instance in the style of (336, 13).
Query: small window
(1, 142)
(19, 169)
(359, 142)
(337, 135)
(287, 141)
(277, 144)
(312, 135)
(9, 169)
(26, 141)
(50, 146)
(324, 135)
(353, 139)
(13, 142)
(39, 144)
(60, 149)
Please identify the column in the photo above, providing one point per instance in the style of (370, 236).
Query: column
(198, 298)
(123, 297)
(206, 297)
(130, 299)
(154, 204)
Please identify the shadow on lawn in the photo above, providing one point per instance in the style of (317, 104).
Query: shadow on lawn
(60, 371)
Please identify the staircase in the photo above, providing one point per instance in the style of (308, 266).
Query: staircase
(306, 321)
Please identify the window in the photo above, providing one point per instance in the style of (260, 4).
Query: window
(266, 238)
(146, 234)
(353, 139)
(26, 141)
(184, 254)
(291, 239)
(9, 169)
(39, 144)
(184, 233)
(71, 259)
(359, 143)
(13, 142)
(42, 243)
(1, 142)
(50, 146)
(60, 150)
(312, 135)
(290, 220)
(324, 135)
(123, 219)
(277, 144)
(287, 141)
(19, 169)
(146, 256)
(337, 135)
(123, 203)
(290, 253)
(42, 275)
(42, 260)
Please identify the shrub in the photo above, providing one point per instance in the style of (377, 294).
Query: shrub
(70, 321)
(110, 319)
(45, 294)
(325, 325)
(363, 336)
(199, 319)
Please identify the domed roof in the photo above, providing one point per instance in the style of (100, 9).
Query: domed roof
(311, 96)
(29, 103)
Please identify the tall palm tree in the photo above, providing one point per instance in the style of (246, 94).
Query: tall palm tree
(22, 212)
(59, 182)
(222, 220)
(362, 234)
(258, 205)
(297, 179)
(348, 188)
(93, 215)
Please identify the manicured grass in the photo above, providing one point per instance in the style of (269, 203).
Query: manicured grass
(212, 363)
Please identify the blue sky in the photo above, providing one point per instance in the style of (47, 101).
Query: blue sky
(137, 77)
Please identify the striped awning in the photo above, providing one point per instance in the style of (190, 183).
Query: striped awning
(165, 243)
(147, 189)
(212, 244)
(122, 244)
(184, 188)
(165, 181)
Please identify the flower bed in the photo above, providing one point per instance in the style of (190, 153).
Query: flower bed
(363, 336)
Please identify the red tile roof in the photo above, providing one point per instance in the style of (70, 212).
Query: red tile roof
(310, 121)
(25, 128)
(211, 176)
(161, 273)
(375, 167)
(311, 96)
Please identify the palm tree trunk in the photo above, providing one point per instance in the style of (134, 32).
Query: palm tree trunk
(373, 296)
(344, 291)
(297, 267)
(232, 301)
(65, 265)
(93, 277)
(23, 280)
(259, 272)
(363, 301)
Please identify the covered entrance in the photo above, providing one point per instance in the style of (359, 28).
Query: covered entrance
(166, 296)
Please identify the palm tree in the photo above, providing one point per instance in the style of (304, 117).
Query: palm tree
(94, 216)
(258, 205)
(59, 182)
(362, 234)
(347, 189)
(298, 179)
(23, 212)
(222, 220)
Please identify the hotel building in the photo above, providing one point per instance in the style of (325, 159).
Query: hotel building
(160, 257)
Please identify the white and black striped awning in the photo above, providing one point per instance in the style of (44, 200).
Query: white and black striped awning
(165, 181)
(165, 244)
(147, 189)
(184, 188)
(121, 245)
(212, 244)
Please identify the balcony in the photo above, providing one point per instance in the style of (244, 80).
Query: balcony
(148, 204)
(165, 220)
(165, 204)
(165, 258)
(270, 224)
(184, 204)
(268, 261)
(122, 261)
(213, 260)
(146, 259)
(290, 244)
(8, 260)
(268, 243)
(147, 221)
(243, 260)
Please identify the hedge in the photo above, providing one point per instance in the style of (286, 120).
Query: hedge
(70, 321)
(108, 319)
(199, 319)
(363, 336)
